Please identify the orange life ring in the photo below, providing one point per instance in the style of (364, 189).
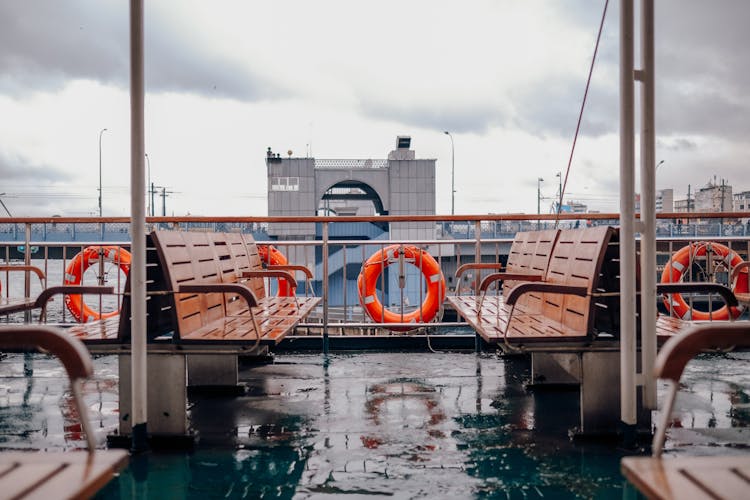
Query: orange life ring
(373, 267)
(681, 261)
(271, 255)
(74, 276)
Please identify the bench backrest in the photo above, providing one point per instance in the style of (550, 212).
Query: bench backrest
(530, 253)
(578, 258)
(188, 258)
(236, 253)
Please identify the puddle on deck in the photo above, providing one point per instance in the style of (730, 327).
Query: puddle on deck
(401, 425)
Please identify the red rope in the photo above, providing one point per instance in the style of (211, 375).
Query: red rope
(580, 114)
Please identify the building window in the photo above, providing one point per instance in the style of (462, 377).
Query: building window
(284, 183)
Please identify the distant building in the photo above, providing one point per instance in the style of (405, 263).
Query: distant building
(686, 205)
(665, 200)
(714, 198)
(741, 202)
(398, 185)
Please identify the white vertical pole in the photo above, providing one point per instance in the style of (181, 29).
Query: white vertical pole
(137, 229)
(627, 219)
(648, 207)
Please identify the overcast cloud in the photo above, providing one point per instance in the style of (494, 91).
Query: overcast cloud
(226, 79)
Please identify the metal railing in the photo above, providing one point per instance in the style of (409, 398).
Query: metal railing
(458, 240)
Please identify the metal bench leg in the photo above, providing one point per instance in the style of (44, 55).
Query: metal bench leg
(555, 368)
(212, 370)
(600, 392)
(167, 395)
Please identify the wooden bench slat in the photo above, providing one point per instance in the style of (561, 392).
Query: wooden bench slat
(78, 478)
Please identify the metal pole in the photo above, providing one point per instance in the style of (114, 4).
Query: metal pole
(648, 207)
(149, 199)
(138, 230)
(100, 170)
(627, 220)
(325, 288)
(453, 174)
(539, 200)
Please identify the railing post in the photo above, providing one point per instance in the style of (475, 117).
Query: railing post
(627, 220)
(27, 274)
(477, 252)
(325, 288)
(477, 259)
(648, 207)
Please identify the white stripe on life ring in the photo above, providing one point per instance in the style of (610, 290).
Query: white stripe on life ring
(435, 278)
(678, 266)
(369, 299)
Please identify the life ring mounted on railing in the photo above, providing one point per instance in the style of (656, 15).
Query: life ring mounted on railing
(272, 256)
(422, 260)
(678, 266)
(75, 270)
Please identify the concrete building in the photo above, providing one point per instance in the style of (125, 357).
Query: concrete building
(398, 185)
(665, 200)
(741, 202)
(714, 197)
(686, 205)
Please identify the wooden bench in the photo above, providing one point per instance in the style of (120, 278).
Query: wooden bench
(205, 305)
(566, 291)
(64, 474)
(223, 300)
(211, 303)
(554, 294)
(690, 477)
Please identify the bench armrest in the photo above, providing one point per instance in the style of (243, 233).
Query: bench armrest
(681, 348)
(34, 269)
(72, 354)
(265, 273)
(292, 267)
(678, 350)
(240, 290)
(491, 278)
(47, 293)
(726, 293)
(524, 288)
(476, 265)
(742, 266)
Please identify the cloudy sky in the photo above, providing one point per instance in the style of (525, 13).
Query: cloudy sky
(341, 79)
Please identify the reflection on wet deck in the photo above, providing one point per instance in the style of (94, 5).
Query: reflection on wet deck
(398, 424)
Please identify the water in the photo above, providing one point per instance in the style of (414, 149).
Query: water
(401, 425)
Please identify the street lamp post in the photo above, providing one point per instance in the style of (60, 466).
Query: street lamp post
(539, 199)
(100, 170)
(453, 172)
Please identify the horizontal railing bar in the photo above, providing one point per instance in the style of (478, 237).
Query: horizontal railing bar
(378, 218)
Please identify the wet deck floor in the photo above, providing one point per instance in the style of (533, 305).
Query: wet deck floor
(401, 425)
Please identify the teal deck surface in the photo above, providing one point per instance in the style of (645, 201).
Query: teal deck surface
(365, 425)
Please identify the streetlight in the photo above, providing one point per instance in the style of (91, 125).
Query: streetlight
(453, 172)
(100, 170)
(539, 199)
(658, 165)
(150, 198)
